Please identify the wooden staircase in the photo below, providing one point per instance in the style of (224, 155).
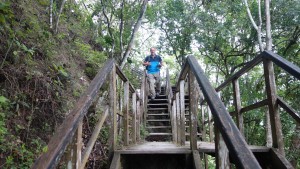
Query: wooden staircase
(158, 121)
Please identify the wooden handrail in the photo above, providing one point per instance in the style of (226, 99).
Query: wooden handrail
(232, 136)
(63, 136)
(289, 109)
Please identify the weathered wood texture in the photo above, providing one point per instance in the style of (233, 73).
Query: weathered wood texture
(126, 114)
(222, 157)
(134, 131)
(279, 161)
(273, 107)
(174, 122)
(93, 139)
(289, 109)
(178, 117)
(193, 107)
(232, 137)
(63, 136)
(182, 113)
(113, 109)
(196, 160)
(116, 161)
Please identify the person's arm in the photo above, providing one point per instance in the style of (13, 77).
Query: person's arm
(146, 62)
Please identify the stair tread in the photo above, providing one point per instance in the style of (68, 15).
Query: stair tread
(161, 134)
(157, 108)
(159, 114)
(156, 127)
(158, 120)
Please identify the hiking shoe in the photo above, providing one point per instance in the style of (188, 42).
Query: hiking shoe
(152, 98)
(157, 94)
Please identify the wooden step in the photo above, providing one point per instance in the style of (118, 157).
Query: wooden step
(198, 134)
(160, 134)
(158, 127)
(157, 120)
(154, 109)
(159, 114)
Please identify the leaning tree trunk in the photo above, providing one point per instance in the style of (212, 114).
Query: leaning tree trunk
(135, 29)
(58, 16)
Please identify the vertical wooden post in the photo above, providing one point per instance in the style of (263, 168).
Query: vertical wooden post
(125, 114)
(193, 111)
(174, 122)
(182, 113)
(222, 153)
(203, 133)
(178, 117)
(237, 105)
(138, 121)
(79, 145)
(210, 126)
(273, 107)
(134, 117)
(113, 107)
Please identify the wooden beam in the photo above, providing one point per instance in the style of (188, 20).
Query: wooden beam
(63, 136)
(134, 118)
(113, 108)
(93, 139)
(283, 63)
(288, 109)
(278, 160)
(239, 73)
(273, 107)
(235, 142)
(138, 121)
(222, 153)
(126, 114)
(79, 145)
(255, 106)
(203, 123)
(178, 117)
(182, 113)
(193, 106)
(196, 160)
(238, 105)
(210, 125)
(174, 122)
(116, 161)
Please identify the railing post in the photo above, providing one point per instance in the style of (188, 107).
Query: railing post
(79, 144)
(222, 154)
(182, 113)
(134, 117)
(174, 122)
(210, 126)
(178, 117)
(125, 113)
(237, 105)
(273, 107)
(138, 122)
(113, 107)
(193, 106)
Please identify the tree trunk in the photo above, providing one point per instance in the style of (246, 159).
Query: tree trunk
(135, 29)
(51, 14)
(121, 27)
(268, 25)
(58, 16)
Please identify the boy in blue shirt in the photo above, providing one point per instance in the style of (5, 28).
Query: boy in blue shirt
(153, 64)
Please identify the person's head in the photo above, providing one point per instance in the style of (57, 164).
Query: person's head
(152, 51)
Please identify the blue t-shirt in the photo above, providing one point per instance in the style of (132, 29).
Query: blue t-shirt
(154, 64)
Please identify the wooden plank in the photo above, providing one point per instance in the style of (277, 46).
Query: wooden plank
(255, 106)
(279, 161)
(222, 153)
(193, 110)
(134, 118)
(63, 136)
(126, 114)
(138, 121)
(196, 160)
(273, 107)
(178, 117)
(93, 139)
(288, 109)
(182, 112)
(116, 161)
(210, 126)
(203, 123)
(79, 145)
(174, 120)
(231, 135)
(124, 78)
(283, 63)
(113, 108)
(238, 105)
(239, 73)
